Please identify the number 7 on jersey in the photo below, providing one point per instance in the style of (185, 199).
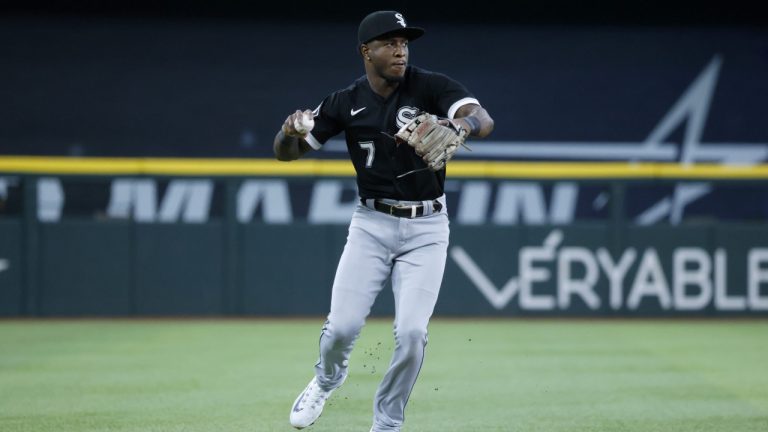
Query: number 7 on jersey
(369, 147)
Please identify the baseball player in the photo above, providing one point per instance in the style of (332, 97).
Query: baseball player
(402, 124)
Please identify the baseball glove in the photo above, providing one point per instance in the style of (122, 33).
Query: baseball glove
(435, 143)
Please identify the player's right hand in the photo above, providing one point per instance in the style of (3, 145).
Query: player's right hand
(289, 125)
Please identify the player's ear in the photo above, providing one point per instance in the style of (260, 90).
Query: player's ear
(364, 51)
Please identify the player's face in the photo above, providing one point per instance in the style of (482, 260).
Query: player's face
(389, 57)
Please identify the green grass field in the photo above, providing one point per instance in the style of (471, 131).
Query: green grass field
(493, 375)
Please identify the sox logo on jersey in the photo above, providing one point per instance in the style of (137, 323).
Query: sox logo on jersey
(405, 115)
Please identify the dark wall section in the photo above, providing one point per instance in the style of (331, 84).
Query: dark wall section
(175, 267)
(596, 12)
(85, 269)
(124, 269)
(146, 87)
(11, 282)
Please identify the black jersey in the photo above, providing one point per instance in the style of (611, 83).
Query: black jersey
(369, 122)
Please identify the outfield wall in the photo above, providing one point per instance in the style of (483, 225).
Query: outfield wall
(626, 174)
(152, 244)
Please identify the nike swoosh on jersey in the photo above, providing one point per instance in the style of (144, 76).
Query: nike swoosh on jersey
(354, 112)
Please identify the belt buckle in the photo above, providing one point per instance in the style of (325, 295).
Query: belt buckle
(411, 209)
(399, 208)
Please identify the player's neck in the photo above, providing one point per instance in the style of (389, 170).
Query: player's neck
(381, 86)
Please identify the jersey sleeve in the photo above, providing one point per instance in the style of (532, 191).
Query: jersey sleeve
(327, 122)
(450, 95)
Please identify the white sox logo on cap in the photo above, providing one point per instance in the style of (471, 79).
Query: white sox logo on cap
(400, 19)
(380, 23)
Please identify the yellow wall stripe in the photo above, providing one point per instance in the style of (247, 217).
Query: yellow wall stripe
(343, 168)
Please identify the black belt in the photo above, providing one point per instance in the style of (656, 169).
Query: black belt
(404, 211)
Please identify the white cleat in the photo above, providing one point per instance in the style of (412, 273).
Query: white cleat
(309, 405)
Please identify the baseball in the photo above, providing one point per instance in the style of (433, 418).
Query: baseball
(304, 123)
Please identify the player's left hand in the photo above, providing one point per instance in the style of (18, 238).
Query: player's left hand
(435, 140)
